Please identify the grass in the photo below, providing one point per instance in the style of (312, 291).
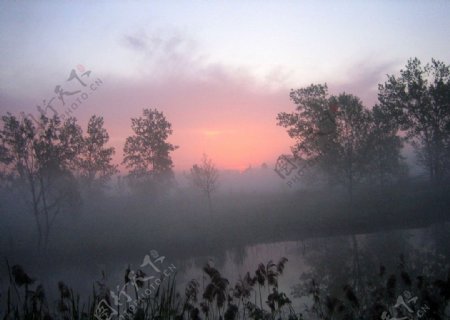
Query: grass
(217, 299)
(256, 295)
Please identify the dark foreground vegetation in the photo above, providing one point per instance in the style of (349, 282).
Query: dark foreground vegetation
(414, 287)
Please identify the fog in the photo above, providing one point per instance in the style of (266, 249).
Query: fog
(256, 217)
(224, 160)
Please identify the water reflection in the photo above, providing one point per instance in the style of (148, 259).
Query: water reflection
(347, 275)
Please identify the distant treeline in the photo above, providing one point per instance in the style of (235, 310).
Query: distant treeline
(54, 163)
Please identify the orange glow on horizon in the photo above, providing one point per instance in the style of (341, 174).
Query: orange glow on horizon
(235, 125)
(230, 148)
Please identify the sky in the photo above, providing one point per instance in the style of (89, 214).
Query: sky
(220, 71)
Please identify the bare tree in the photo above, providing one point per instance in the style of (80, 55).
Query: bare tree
(205, 177)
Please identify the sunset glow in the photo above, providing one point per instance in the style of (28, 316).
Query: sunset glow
(225, 159)
(221, 86)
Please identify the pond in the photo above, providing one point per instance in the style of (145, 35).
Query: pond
(329, 261)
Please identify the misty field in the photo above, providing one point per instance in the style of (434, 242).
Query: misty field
(110, 231)
(224, 160)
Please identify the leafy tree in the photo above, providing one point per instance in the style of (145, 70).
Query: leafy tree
(205, 177)
(5, 160)
(95, 160)
(419, 98)
(347, 161)
(385, 162)
(330, 132)
(339, 136)
(41, 161)
(147, 152)
(304, 125)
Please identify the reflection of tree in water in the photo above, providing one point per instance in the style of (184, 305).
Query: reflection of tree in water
(438, 237)
(391, 264)
(384, 249)
(328, 259)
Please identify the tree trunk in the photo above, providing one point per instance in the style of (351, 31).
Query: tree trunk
(35, 201)
(209, 203)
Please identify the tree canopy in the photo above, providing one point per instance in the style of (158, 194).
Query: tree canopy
(95, 158)
(419, 100)
(147, 152)
(341, 137)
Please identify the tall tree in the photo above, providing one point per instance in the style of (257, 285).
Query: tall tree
(95, 159)
(330, 132)
(338, 135)
(348, 159)
(304, 124)
(205, 177)
(419, 98)
(42, 161)
(5, 160)
(147, 152)
(385, 163)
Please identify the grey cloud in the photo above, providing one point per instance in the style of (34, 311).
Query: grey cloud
(363, 79)
(135, 42)
(159, 44)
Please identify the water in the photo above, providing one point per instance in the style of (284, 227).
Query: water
(324, 259)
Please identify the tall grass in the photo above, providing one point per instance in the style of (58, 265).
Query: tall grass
(256, 295)
(216, 300)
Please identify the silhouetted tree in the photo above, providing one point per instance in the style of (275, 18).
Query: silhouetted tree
(42, 161)
(5, 160)
(340, 137)
(304, 125)
(385, 162)
(420, 100)
(348, 142)
(147, 152)
(346, 160)
(95, 159)
(205, 177)
(330, 132)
